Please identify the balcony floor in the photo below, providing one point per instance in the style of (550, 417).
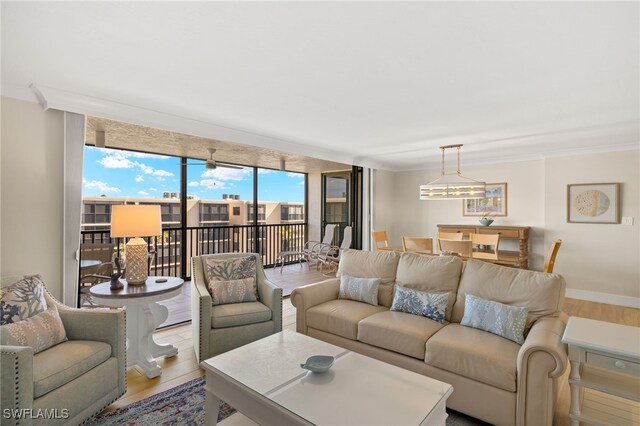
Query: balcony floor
(292, 276)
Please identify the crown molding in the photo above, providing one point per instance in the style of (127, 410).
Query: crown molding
(51, 98)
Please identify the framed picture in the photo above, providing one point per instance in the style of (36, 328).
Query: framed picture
(593, 203)
(494, 203)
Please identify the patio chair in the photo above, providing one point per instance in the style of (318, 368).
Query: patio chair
(105, 253)
(331, 257)
(311, 249)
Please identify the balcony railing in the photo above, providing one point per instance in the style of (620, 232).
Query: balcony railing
(267, 240)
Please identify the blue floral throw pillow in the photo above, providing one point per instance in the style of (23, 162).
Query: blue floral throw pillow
(416, 302)
(22, 300)
(359, 289)
(504, 320)
(232, 280)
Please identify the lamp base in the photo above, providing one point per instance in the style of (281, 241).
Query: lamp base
(136, 266)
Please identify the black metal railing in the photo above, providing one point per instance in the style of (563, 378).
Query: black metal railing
(267, 240)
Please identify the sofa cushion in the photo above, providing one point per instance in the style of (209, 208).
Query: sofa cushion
(23, 299)
(372, 264)
(340, 316)
(65, 362)
(39, 332)
(503, 320)
(434, 274)
(398, 332)
(235, 314)
(359, 289)
(231, 280)
(475, 354)
(423, 303)
(541, 293)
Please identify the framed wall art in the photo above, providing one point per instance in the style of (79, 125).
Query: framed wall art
(494, 203)
(593, 203)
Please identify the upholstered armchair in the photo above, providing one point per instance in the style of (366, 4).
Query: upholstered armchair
(71, 381)
(221, 327)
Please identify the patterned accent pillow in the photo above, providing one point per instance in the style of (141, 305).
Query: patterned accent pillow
(416, 302)
(360, 289)
(22, 299)
(504, 320)
(232, 280)
(39, 332)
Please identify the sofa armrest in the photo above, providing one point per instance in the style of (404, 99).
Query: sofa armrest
(16, 364)
(311, 295)
(271, 297)
(541, 359)
(102, 325)
(200, 310)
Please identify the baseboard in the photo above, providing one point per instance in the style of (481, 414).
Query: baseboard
(611, 299)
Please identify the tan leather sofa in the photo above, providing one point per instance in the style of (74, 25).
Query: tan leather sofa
(494, 379)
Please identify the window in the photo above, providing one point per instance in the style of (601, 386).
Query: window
(236, 211)
(261, 212)
(290, 213)
(214, 212)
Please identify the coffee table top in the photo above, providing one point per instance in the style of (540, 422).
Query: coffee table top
(356, 390)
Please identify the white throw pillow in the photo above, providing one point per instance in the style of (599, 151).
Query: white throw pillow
(39, 332)
(359, 289)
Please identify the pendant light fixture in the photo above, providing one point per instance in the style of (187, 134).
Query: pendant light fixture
(452, 186)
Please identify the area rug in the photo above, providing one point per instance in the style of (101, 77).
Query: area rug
(182, 405)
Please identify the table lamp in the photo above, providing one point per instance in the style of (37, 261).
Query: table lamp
(135, 221)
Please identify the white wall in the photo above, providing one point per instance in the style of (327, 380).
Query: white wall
(384, 212)
(600, 262)
(32, 192)
(596, 258)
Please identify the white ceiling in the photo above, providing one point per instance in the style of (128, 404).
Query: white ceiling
(379, 84)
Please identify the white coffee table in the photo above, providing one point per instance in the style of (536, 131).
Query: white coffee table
(264, 381)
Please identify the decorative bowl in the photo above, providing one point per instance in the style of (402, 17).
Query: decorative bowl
(318, 363)
(485, 221)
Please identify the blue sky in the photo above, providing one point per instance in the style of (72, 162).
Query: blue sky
(116, 173)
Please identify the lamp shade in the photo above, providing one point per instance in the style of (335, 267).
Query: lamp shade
(129, 220)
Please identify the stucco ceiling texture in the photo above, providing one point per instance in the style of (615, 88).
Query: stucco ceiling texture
(380, 84)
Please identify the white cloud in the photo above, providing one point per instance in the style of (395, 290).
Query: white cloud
(295, 175)
(143, 193)
(193, 183)
(161, 179)
(212, 184)
(116, 161)
(301, 183)
(153, 189)
(101, 186)
(162, 173)
(265, 171)
(139, 178)
(147, 169)
(227, 174)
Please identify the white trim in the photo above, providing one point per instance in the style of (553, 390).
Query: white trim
(608, 298)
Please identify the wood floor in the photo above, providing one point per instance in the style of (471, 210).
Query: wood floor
(183, 367)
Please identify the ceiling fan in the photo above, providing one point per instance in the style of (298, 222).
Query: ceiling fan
(212, 164)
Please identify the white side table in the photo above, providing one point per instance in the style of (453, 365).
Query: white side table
(605, 357)
(143, 316)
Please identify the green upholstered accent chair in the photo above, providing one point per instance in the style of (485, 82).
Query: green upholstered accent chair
(77, 378)
(220, 328)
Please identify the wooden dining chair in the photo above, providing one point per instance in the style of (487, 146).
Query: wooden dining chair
(381, 241)
(417, 244)
(550, 262)
(456, 236)
(460, 248)
(485, 246)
